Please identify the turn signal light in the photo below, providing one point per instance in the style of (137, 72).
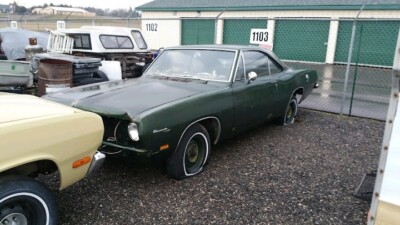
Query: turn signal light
(164, 147)
(81, 162)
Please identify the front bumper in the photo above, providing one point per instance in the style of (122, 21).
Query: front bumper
(124, 147)
(97, 162)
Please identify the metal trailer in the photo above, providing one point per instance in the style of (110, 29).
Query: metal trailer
(385, 205)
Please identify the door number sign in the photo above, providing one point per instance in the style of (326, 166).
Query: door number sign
(261, 37)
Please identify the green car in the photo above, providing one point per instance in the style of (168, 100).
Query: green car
(190, 98)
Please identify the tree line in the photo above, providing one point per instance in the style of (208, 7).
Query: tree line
(99, 12)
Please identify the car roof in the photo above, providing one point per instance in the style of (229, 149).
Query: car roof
(232, 48)
(225, 47)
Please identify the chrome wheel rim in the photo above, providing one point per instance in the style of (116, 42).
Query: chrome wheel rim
(195, 154)
(12, 217)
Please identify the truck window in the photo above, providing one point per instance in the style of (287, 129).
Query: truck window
(82, 41)
(137, 36)
(116, 42)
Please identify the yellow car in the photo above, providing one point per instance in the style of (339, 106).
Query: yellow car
(41, 137)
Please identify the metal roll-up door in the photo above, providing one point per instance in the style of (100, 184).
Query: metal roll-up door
(374, 42)
(197, 31)
(237, 31)
(301, 40)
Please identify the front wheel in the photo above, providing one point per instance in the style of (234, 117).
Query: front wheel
(25, 201)
(191, 153)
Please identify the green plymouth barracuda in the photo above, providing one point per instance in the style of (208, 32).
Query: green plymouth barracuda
(189, 98)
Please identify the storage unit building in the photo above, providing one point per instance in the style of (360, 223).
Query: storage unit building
(312, 31)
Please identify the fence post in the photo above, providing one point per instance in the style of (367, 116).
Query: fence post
(356, 70)
(332, 40)
(216, 26)
(346, 80)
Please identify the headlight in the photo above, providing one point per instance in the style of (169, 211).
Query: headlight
(133, 132)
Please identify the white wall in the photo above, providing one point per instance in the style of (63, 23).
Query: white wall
(161, 33)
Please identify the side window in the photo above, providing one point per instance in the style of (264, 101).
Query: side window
(82, 41)
(240, 70)
(274, 67)
(260, 63)
(255, 61)
(137, 36)
(111, 41)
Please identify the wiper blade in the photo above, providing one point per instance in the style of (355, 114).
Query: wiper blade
(193, 77)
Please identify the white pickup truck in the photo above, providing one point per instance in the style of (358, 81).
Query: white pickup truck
(123, 44)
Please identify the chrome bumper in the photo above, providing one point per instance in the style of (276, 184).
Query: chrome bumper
(97, 162)
(124, 147)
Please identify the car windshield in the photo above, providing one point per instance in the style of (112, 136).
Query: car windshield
(215, 65)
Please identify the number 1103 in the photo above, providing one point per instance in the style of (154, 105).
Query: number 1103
(260, 36)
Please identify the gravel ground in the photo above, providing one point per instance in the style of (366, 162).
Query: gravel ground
(299, 174)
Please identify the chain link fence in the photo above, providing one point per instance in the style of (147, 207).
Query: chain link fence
(308, 44)
(321, 44)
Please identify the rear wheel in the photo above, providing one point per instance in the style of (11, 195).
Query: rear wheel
(25, 201)
(290, 113)
(191, 153)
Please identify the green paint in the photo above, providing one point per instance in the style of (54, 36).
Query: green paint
(301, 40)
(238, 31)
(197, 31)
(378, 42)
(12, 67)
(156, 104)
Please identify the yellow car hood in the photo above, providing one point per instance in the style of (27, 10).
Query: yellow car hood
(14, 107)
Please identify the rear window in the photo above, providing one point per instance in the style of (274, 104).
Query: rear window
(82, 41)
(137, 36)
(116, 42)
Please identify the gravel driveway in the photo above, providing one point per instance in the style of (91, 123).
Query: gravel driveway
(299, 174)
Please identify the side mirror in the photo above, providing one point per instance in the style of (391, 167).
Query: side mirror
(252, 76)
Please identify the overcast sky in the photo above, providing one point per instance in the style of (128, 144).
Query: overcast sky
(103, 4)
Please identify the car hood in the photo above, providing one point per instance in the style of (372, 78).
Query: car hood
(15, 107)
(127, 98)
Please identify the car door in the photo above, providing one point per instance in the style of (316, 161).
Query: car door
(283, 84)
(253, 100)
